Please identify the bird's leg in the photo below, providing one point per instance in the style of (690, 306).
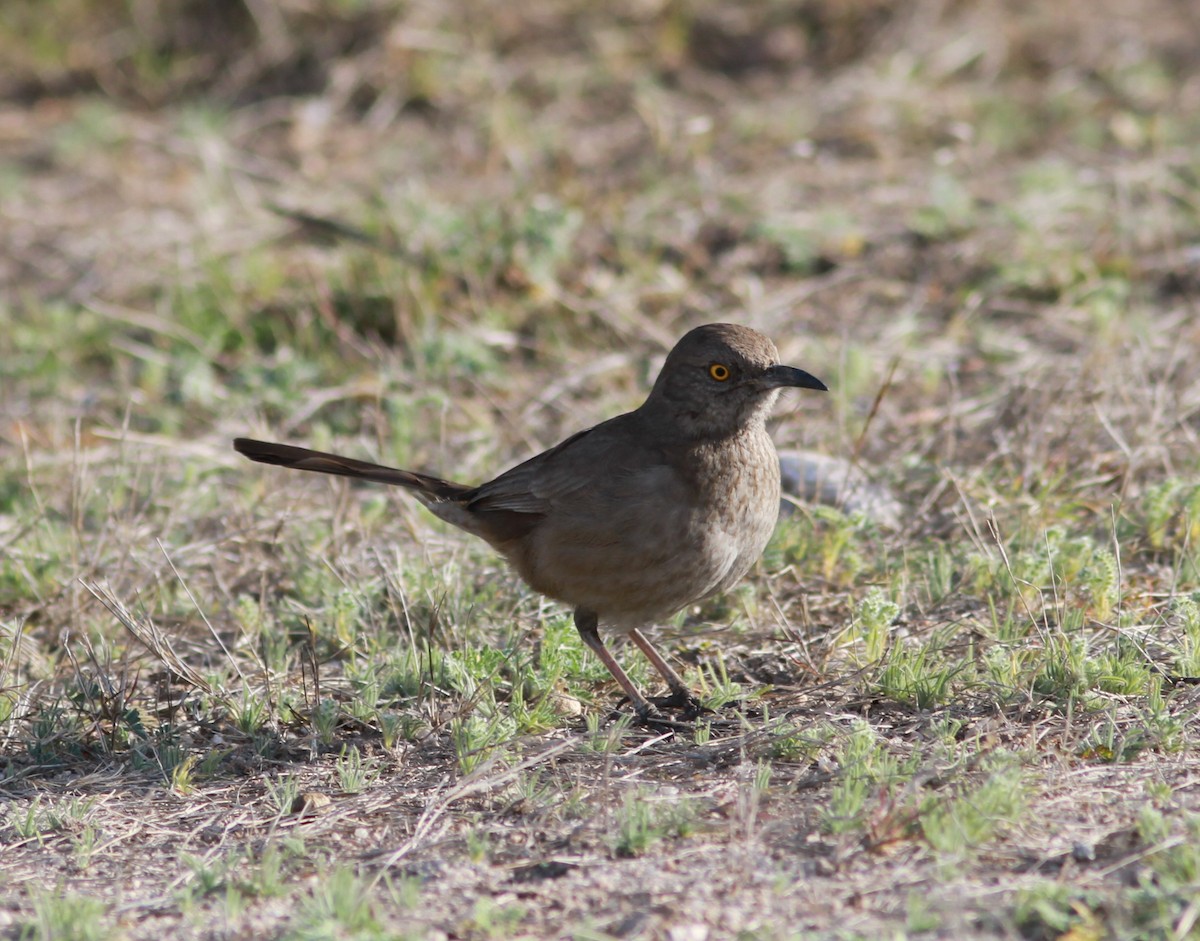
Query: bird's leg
(588, 624)
(681, 693)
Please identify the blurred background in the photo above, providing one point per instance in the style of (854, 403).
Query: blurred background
(496, 216)
(444, 235)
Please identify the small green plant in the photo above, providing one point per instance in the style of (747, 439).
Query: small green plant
(353, 773)
(30, 822)
(211, 761)
(491, 919)
(1051, 910)
(538, 715)
(53, 732)
(1186, 611)
(212, 876)
(58, 916)
(606, 738)
(266, 878)
(643, 821)
(404, 893)
(1171, 515)
(340, 906)
(970, 815)
(1102, 578)
(479, 844)
(1014, 575)
(872, 623)
(1121, 669)
(803, 237)
(37, 820)
(344, 617)
(282, 792)
(823, 541)
(84, 844)
(1108, 741)
(920, 918)
(918, 674)
(1061, 671)
(717, 688)
(950, 209)
(1159, 792)
(181, 775)
(941, 573)
(797, 744)
(251, 713)
(325, 717)
(1174, 844)
(390, 725)
(865, 766)
(478, 740)
(535, 791)
(751, 797)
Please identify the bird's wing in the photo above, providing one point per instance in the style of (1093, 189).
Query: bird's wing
(607, 465)
(530, 487)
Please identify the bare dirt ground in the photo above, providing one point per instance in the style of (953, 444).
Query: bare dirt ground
(235, 703)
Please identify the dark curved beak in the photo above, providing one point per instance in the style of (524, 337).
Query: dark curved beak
(779, 377)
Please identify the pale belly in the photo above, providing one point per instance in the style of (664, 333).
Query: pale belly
(641, 560)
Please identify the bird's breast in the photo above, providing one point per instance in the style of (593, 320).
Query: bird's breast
(646, 542)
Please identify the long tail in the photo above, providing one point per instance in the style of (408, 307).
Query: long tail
(285, 455)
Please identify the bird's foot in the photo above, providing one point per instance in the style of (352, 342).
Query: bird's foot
(651, 718)
(648, 715)
(685, 701)
(683, 705)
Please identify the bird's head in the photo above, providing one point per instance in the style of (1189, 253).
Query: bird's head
(721, 378)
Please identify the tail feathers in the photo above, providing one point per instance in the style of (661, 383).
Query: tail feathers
(431, 490)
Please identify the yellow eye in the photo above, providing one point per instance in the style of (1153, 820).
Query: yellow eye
(719, 371)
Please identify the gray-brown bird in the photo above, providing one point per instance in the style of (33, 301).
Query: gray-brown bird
(638, 517)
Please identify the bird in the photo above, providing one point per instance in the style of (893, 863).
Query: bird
(638, 517)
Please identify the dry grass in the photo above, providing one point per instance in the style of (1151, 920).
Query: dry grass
(235, 703)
